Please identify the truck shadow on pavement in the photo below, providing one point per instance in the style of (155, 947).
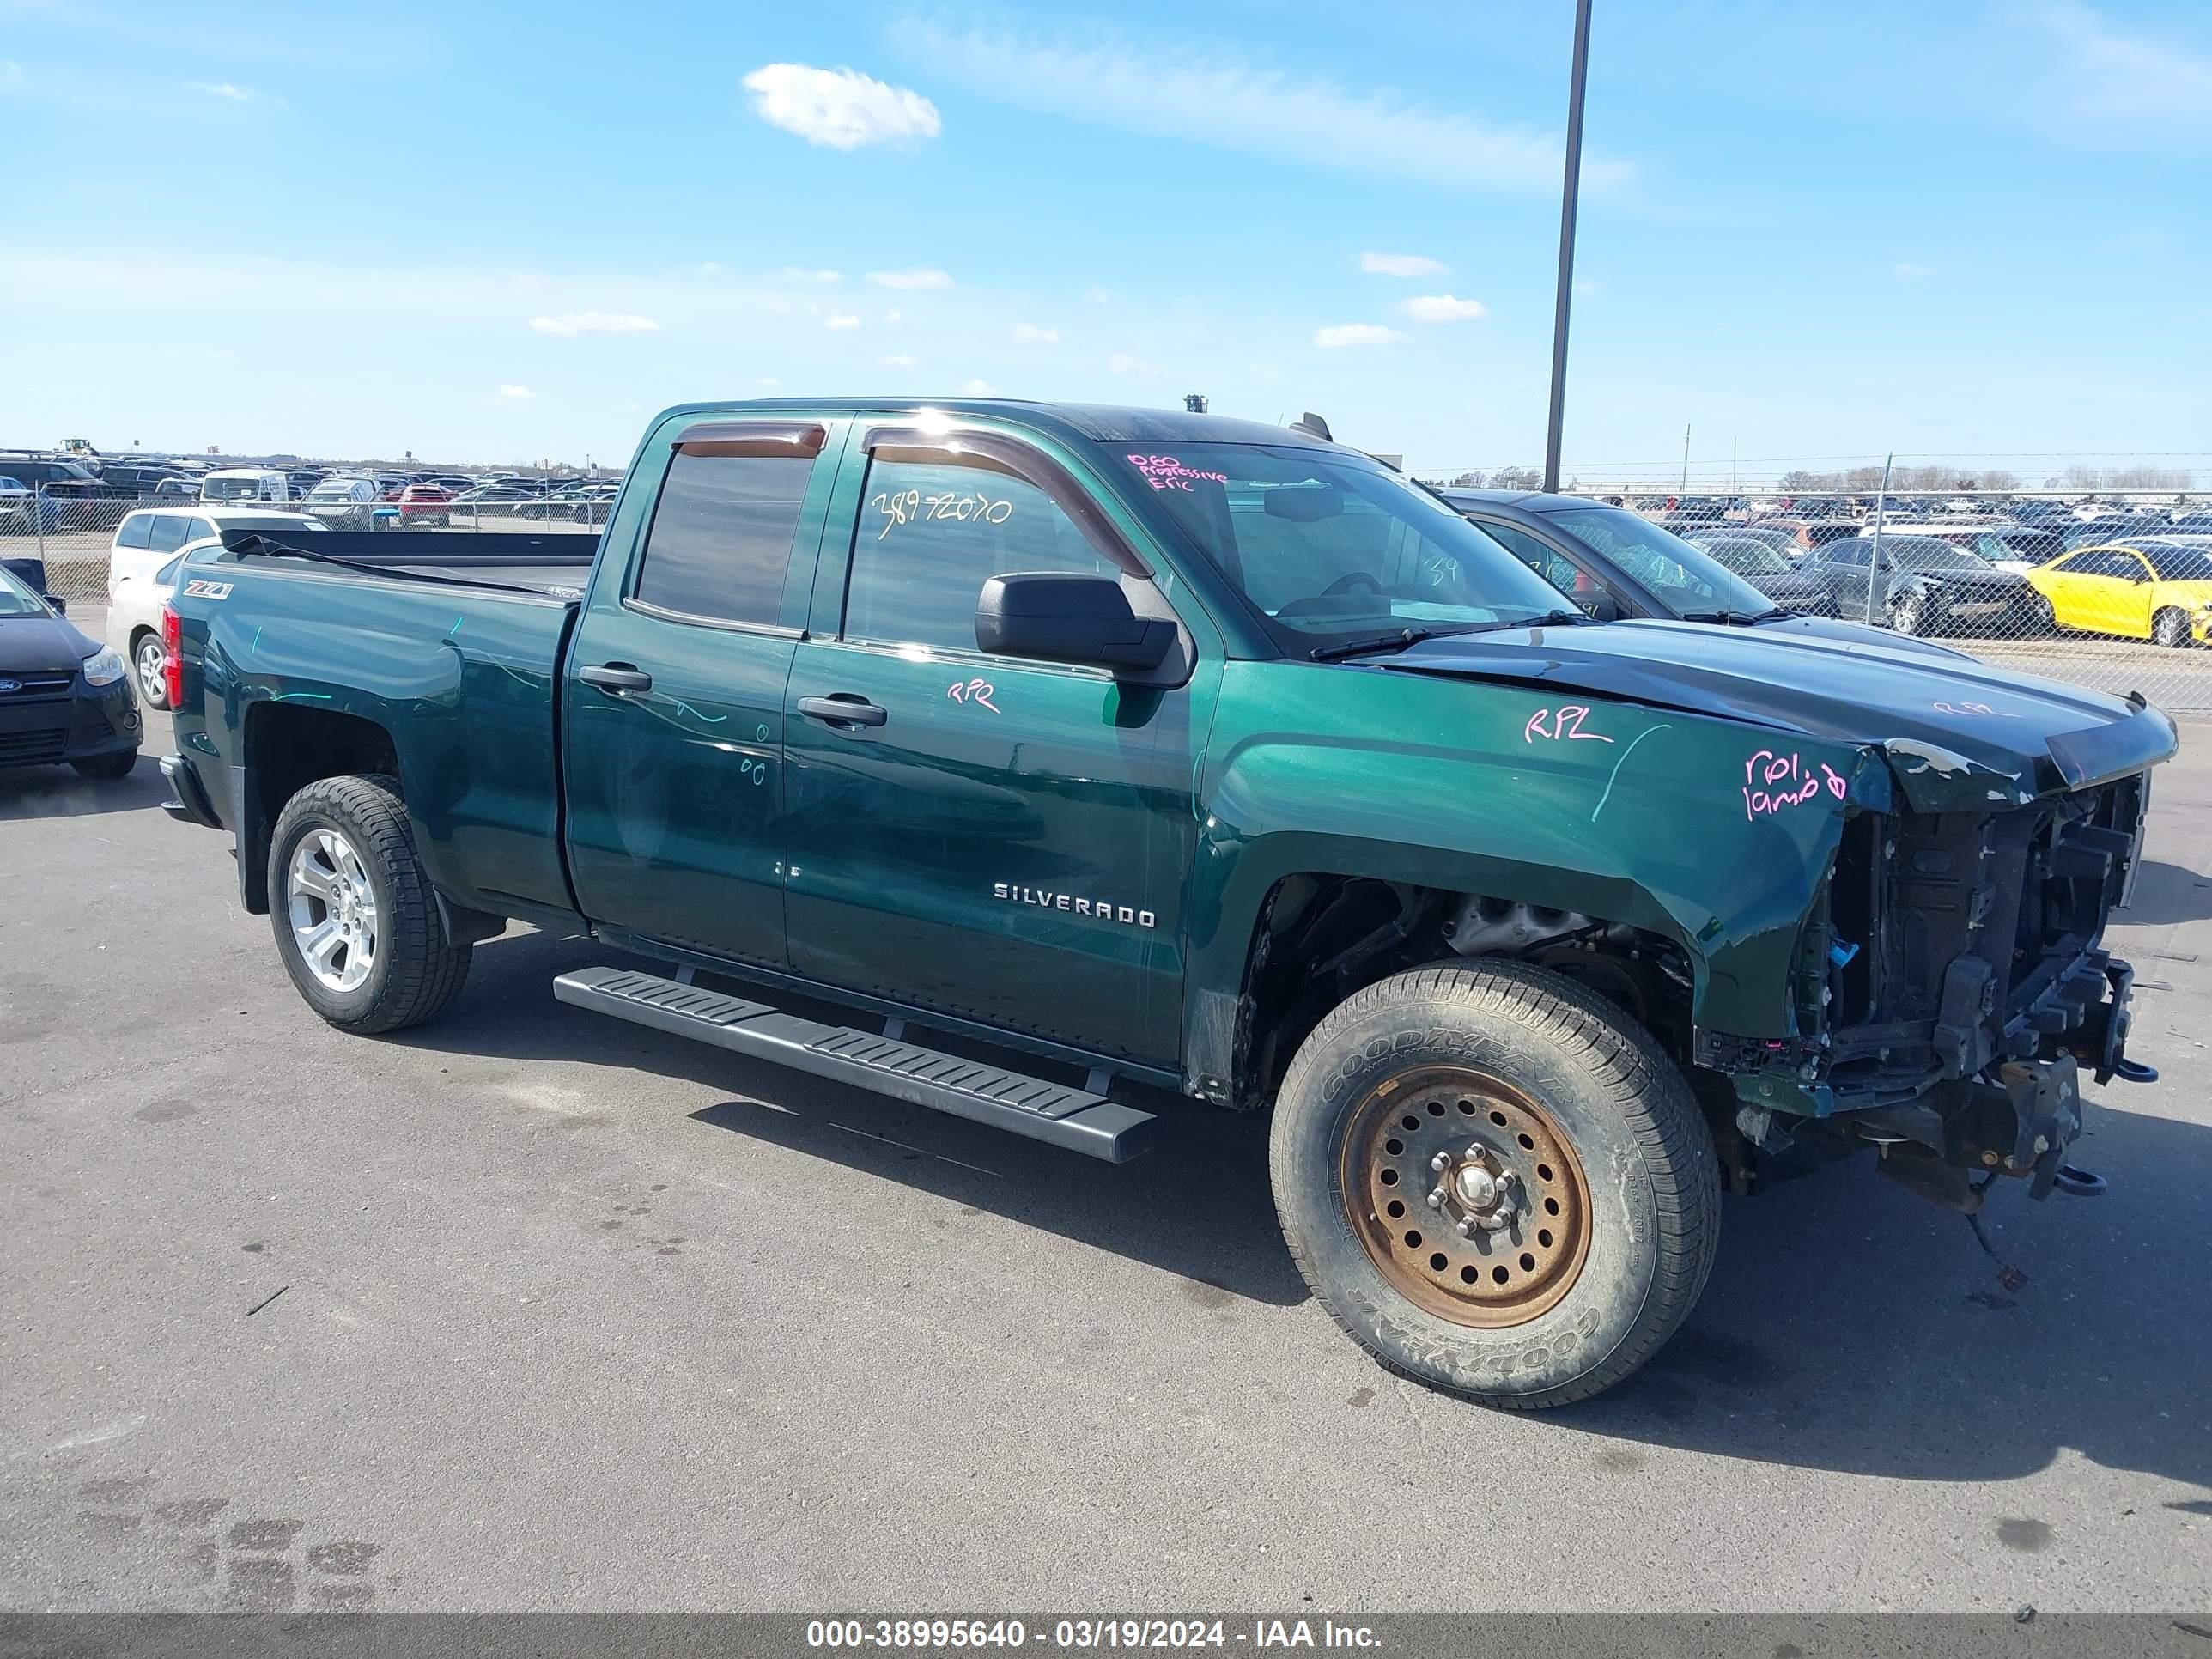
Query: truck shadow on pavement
(1848, 1325)
(57, 791)
(1198, 1205)
(2164, 894)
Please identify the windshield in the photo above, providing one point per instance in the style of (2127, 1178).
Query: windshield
(1748, 558)
(230, 489)
(1682, 577)
(17, 600)
(2175, 563)
(329, 492)
(1329, 548)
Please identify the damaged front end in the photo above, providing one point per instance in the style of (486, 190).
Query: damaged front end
(1950, 988)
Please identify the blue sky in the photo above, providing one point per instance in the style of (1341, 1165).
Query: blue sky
(504, 232)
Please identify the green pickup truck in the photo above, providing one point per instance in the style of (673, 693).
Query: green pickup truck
(1095, 757)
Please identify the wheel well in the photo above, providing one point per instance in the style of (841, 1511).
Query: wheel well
(1322, 937)
(287, 747)
(141, 632)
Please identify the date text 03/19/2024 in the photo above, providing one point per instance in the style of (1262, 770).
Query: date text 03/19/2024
(1089, 1635)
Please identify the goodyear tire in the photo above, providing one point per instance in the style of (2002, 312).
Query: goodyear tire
(1580, 1194)
(355, 922)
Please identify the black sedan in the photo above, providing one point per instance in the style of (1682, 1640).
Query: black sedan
(1613, 562)
(63, 697)
(1924, 586)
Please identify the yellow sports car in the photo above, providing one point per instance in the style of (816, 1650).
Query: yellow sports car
(2152, 589)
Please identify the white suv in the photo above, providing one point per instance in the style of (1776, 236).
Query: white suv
(145, 544)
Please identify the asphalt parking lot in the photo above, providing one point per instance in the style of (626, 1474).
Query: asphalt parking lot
(567, 1315)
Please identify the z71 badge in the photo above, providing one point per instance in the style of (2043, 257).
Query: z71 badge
(1097, 909)
(200, 589)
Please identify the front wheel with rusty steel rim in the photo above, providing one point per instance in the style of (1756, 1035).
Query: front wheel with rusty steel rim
(1496, 1182)
(1466, 1194)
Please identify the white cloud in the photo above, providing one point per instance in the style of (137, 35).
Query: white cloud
(1401, 264)
(890, 316)
(1444, 308)
(978, 388)
(1906, 267)
(1185, 89)
(767, 380)
(1097, 296)
(845, 320)
(1586, 286)
(900, 361)
(223, 89)
(1031, 334)
(920, 276)
(513, 394)
(841, 108)
(2105, 73)
(794, 274)
(1131, 367)
(1356, 334)
(571, 323)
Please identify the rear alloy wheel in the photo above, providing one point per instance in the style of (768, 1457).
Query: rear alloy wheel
(2170, 627)
(1495, 1181)
(150, 664)
(355, 918)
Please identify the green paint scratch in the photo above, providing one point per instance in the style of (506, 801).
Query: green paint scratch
(299, 697)
(711, 719)
(256, 647)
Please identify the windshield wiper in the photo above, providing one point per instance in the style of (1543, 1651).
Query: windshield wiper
(1406, 636)
(1397, 642)
(1734, 619)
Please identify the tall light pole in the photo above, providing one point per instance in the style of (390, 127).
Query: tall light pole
(1568, 192)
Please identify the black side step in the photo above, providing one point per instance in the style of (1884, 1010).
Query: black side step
(1072, 1118)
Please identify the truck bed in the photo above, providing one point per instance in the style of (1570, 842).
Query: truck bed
(401, 638)
(555, 564)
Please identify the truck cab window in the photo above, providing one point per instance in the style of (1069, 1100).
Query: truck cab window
(931, 533)
(719, 545)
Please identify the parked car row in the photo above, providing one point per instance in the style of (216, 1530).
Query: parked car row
(48, 493)
(1992, 581)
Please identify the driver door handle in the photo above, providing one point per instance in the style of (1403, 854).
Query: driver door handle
(843, 708)
(616, 676)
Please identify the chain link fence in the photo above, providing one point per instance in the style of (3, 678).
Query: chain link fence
(2096, 574)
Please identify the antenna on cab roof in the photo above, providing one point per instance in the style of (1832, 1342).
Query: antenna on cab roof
(1315, 425)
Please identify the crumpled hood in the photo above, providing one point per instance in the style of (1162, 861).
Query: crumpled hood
(42, 645)
(1956, 733)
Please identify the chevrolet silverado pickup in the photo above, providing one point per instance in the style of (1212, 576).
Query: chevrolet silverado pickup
(1095, 757)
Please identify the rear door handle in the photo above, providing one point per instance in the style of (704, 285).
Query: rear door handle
(616, 676)
(842, 708)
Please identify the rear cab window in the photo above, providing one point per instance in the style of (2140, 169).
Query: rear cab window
(719, 548)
